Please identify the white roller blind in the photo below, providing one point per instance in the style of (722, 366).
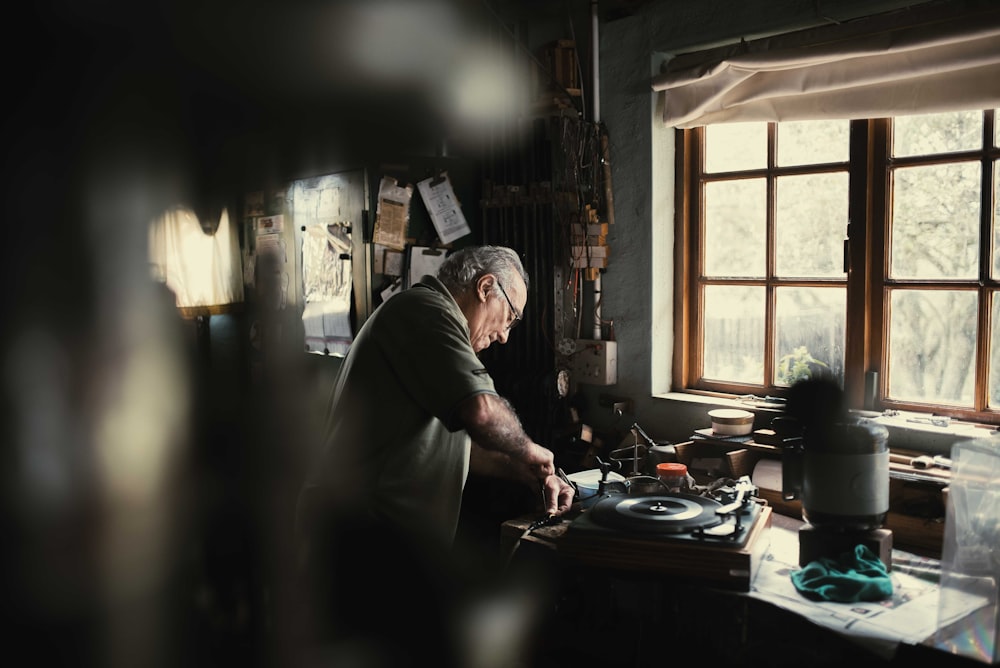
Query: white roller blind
(868, 69)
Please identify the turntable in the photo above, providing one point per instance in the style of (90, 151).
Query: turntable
(715, 541)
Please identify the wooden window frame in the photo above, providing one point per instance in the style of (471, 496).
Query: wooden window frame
(869, 173)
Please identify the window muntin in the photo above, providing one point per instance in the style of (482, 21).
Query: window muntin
(919, 302)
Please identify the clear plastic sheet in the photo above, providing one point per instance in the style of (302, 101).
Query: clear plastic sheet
(970, 558)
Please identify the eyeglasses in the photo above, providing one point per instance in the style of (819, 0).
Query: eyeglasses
(513, 311)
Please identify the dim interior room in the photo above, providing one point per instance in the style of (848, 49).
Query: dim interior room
(157, 429)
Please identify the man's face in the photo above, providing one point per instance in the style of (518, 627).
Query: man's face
(500, 308)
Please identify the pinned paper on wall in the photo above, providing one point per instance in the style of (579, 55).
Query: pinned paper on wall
(423, 261)
(393, 288)
(326, 260)
(393, 263)
(272, 245)
(270, 224)
(443, 207)
(392, 214)
(387, 261)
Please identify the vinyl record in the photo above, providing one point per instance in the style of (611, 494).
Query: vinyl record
(663, 513)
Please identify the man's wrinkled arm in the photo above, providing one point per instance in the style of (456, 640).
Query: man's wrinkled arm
(494, 426)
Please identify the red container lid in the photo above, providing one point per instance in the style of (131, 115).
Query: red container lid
(671, 468)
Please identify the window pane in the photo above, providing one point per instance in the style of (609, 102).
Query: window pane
(811, 225)
(932, 346)
(734, 146)
(993, 401)
(734, 333)
(813, 142)
(926, 134)
(996, 219)
(811, 326)
(935, 221)
(735, 228)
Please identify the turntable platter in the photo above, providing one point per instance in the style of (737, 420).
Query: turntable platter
(664, 513)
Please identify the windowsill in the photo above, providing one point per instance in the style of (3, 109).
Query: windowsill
(918, 496)
(903, 434)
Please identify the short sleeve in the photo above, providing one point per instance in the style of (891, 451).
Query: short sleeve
(428, 348)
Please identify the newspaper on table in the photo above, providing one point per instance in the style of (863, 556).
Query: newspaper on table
(910, 616)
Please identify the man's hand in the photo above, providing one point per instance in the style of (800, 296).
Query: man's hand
(539, 460)
(536, 470)
(557, 495)
(534, 464)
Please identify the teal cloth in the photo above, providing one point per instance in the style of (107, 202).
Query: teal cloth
(851, 577)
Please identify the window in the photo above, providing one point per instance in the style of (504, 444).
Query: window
(862, 249)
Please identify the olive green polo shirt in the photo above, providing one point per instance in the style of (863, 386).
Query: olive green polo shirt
(392, 426)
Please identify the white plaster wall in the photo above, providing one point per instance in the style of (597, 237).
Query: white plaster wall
(637, 288)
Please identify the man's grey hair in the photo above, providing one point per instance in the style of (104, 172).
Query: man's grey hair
(460, 270)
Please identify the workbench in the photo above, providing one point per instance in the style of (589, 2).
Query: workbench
(624, 616)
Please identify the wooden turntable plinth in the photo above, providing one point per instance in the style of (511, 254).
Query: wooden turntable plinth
(712, 563)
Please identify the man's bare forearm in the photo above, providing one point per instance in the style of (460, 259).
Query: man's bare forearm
(493, 424)
(493, 463)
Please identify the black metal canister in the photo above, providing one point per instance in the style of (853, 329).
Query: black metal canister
(838, 466)
(845, 476)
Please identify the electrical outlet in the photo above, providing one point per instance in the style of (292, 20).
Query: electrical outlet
(595, 362)
(616, 404)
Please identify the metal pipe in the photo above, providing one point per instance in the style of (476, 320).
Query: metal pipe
(596, 102)
(594, 62)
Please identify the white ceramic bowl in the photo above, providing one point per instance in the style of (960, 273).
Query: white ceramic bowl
(731, 421)
(587, 482)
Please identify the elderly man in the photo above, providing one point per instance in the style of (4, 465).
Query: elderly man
(414, 410)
